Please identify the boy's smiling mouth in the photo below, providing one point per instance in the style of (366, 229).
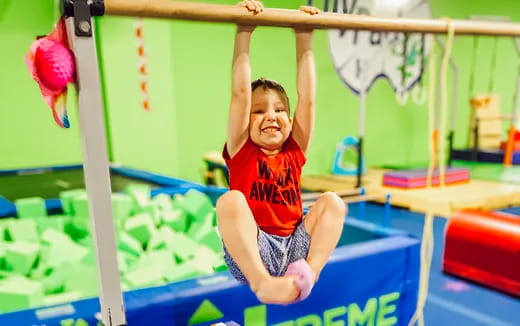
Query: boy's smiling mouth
(270, 129)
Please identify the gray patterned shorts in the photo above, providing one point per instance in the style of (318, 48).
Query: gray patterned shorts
(277, 252)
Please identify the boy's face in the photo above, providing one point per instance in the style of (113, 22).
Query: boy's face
(269, 123)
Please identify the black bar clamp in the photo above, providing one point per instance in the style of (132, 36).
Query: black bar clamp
(82, 11)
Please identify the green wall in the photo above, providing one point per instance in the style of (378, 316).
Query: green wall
(28, 134)
(189, 64)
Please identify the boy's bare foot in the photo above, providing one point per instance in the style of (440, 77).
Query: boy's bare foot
(277, 290)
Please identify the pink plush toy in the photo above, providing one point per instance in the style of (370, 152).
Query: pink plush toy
(305, 282)
(51, 64)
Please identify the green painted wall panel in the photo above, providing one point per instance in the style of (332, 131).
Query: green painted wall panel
(189, 81)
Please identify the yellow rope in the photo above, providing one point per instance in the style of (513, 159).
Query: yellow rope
(427, 242)
(432, 67)
(444, 102)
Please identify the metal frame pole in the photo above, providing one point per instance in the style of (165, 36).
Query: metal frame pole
(95, 158)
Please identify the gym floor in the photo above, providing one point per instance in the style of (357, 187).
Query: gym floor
(451, 301)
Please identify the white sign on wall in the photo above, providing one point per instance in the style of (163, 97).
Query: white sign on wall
(361, 57)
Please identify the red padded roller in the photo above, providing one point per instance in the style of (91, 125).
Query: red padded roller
(484, 247)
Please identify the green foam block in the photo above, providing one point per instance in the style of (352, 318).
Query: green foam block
(50, 236)
(20, 256)
(205, 259)
(2, 256)
(143, 276)
(141, 227)
(221, 268)
(197, 204)
(161, 260)
(54, 280)
(66, 199)
(199, 228)
(5, 274)
(129, 244)
(212, 240)
(140, 194)
(183, 247)
(183, 271)
(163, 202)
(20, 293)
(67, 252)
(30, 207)
(22, 230)
(125, 261)
(152, 211)
(82, 279)
(80, 207)
(176, 219)
(161, 239)
(121, 207)
(64, 297)
(56, 222)
(77, 228)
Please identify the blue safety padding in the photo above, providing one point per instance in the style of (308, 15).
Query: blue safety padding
(376, 230)
(357, 276)
(496, 156)
(7, 208)
(150, 177)
(169, 185)
(53, 206)
(211, 191)
(39, 170)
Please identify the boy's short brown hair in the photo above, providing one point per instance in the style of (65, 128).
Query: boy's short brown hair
(271, 84)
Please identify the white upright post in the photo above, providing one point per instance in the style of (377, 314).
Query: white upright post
(95, 162)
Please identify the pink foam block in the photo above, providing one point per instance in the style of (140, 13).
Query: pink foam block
(305, 282)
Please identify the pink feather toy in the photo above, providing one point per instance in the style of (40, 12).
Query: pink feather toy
(51, 65)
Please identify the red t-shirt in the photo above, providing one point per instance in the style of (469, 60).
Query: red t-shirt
(271, 184)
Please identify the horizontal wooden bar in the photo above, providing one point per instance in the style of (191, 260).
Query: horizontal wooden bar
(293, 18)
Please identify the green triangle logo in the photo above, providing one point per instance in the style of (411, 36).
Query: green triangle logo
(204, 313)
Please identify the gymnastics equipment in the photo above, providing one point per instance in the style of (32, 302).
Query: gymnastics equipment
(417, 178)
(484, 247)
(352, 196)
(79, 25)
(485, 122)
(411, 179)
(216, 171)
(454, 101)
(349, 144)
(427, 241)
(484, 138)
(511, 144)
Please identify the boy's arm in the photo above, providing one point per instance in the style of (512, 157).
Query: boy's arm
(239, 110)
(306, 86)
